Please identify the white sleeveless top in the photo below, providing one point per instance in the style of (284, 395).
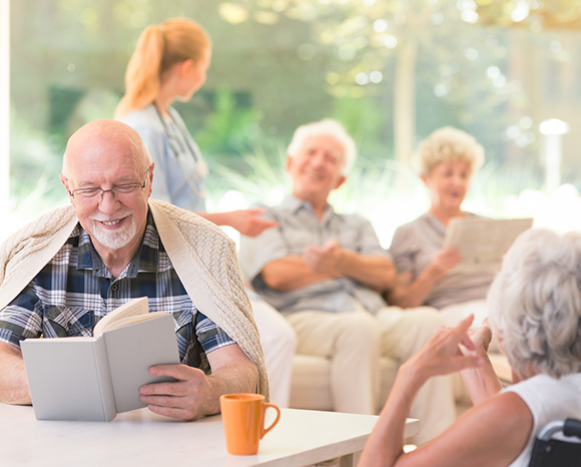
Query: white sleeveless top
(549, 400)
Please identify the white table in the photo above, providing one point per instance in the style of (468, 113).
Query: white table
(141, 438)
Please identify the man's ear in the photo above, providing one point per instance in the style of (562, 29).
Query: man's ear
(66, 185)
(424, 179)
(151, 179)
(340, 182)
(288, 163)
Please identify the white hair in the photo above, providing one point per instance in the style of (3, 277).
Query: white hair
(448, 144)
(534, 303)
(328, 127)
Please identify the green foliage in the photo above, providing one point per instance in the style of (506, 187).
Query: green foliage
(262, 178)
(281, 63)
(229, 128)
(368, 123)
(35, 165)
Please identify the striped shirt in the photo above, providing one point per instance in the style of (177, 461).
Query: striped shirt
(75, 290)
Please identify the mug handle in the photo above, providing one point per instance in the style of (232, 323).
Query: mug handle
(272, 425)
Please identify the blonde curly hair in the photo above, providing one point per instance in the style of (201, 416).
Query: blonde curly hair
(448, 144)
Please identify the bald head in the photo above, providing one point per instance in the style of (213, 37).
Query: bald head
(105, 134)
(108, 174)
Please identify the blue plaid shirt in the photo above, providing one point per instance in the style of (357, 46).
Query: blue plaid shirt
(75, 290)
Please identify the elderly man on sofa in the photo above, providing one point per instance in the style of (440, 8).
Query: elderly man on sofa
(326, 272)
(64, 272)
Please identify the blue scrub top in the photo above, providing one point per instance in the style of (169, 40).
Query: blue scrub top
(175, 179)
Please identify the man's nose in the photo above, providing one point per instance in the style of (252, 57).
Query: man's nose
(109, 202)
(318, 159)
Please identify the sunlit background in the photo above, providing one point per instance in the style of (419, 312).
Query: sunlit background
(391, 71)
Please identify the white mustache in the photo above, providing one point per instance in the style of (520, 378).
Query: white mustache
(118, 216)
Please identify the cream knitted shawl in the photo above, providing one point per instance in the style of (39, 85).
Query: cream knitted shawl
(202, 255)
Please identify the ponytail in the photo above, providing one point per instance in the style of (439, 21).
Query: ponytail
(158, 49)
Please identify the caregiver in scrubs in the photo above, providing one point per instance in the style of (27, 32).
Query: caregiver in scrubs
(170, 62)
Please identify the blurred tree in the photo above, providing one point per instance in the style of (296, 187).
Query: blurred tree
(367, 34)
(535, 15)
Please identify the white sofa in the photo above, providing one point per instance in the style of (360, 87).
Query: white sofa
(311, 387)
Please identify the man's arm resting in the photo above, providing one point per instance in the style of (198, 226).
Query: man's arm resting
(407, 294)
(13, 380)
(290, 273)
(377, 272)
(196, 395)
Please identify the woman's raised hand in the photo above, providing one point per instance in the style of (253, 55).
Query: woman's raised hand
(443, 261)
(442, 355)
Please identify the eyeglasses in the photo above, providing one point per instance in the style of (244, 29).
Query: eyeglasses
(125, 190)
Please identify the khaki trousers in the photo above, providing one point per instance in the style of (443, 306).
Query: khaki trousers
(278, 341)
(354, 341)
(404, 333)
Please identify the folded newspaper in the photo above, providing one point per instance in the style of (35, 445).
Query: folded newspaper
(483, 241)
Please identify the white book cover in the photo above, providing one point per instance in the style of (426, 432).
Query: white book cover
(94, 378)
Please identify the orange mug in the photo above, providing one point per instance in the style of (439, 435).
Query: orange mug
(243, 419)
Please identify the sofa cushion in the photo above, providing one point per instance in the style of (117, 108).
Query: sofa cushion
(311, 382)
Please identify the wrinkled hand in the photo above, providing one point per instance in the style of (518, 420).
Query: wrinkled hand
(481, 338)
(189, 398)
(443, 261)
(323, 259)
(441, 355)
(248, 223)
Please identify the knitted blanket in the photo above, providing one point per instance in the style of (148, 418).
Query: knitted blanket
(202, 255)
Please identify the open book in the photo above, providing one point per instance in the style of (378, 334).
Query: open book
(94, 378)
(483, 241)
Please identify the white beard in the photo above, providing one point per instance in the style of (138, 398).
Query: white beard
(119, 238)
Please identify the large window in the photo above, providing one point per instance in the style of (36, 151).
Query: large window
(391, 70)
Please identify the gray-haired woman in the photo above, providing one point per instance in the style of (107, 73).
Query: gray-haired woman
(535, 311)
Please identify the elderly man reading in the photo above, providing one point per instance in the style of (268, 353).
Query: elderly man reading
(326, 273)
(61, 274)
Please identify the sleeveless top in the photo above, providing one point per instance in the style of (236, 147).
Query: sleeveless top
(549, 400)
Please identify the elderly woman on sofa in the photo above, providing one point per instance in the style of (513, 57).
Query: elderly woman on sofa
(535, 311)
(448, 159)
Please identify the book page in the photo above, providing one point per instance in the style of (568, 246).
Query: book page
(119, 323)
(483, 241)
(135, 307)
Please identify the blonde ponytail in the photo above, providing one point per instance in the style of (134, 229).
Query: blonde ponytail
(158, 49)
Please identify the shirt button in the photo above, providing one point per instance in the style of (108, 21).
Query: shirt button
(114, 287)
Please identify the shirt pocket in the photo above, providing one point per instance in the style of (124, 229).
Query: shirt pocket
(60, 321)
(299, 240)
(349, 239)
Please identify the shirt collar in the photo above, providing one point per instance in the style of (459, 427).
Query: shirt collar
(146, 259)
(294, 204)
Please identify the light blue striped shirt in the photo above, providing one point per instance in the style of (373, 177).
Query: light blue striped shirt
(298, 228)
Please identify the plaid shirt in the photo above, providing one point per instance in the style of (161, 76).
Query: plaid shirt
(75, 290)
